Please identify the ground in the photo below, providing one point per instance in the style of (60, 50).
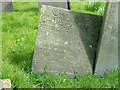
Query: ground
(19, 31)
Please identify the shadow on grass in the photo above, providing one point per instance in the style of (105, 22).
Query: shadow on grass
(27, 10)
(23, 60)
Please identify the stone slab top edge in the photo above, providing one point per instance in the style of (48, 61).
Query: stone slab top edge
(44, 6)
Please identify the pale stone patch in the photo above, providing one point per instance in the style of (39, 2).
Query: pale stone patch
(5, 83)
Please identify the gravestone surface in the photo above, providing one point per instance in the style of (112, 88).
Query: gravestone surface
(66, 41)
(119, 34)
(6, 6)
(65, 4)
(107, 57)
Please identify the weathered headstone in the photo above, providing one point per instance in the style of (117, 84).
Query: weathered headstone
(0, 46)
(6, 6)
(66, 41)
(65, 4)
(119, 33)
(5, 83)
(107, 57)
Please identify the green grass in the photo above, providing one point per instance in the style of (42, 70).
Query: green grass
(19, 31)
(86, 7)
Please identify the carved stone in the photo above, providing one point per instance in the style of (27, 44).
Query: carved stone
(66, 41)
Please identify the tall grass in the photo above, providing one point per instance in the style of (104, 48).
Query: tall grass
(19, 31)
(89, 7)
(93, 6)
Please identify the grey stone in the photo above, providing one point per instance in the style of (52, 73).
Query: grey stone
(66, 41)
(107, 56)
(65, 4)
(6, 6)
(5, 83)
(119, 33)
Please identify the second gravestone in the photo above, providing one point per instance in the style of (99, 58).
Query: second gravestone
(6, 6)
(66, 41)
(107, 58)
(65, 4)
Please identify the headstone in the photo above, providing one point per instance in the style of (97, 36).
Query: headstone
(5, 83)
(6, 6)
(65, 4)
(107, 57)
(0, 46)
(66, 41)
(119, 33)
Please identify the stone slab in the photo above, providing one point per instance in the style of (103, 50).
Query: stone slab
(107, 57)
(5, 83)
(119, 34)
(66, 41)
(6, 6)
(65, 4)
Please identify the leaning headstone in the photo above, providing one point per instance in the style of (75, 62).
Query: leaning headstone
(107, 58)
(119, 33)
(6, 6)
(65, 4)
(66, 41)
(0, 46)
(5, 83)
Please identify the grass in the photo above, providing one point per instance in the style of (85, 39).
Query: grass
(89, 7)
(19, 31)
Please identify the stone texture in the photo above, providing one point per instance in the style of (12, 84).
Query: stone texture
(6, 6)
(119, 34)
(0, 45)
(65, 4)
(107, 57)
(66, 41)
(5, 83)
